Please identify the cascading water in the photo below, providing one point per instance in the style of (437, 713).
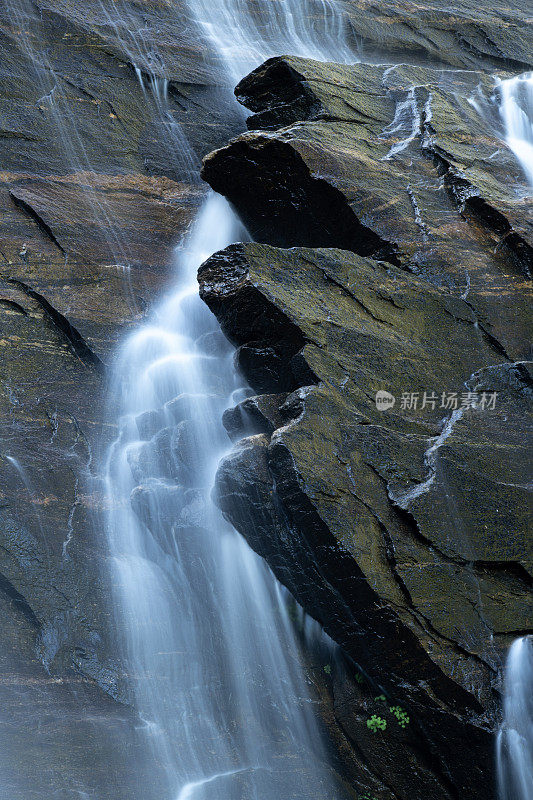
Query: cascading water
(206, 633)
(514, 748)
(516, 110)
(206, 638)
(245, 33)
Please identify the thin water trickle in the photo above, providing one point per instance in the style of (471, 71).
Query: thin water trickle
(514, 747)
(26, 482)
(57, 98)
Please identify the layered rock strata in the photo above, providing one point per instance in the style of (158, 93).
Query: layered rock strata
(403, 529)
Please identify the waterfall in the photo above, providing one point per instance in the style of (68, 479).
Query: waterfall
(206, 633)
(516, 110)
(245, 33)
(514, 747)
(203, 626)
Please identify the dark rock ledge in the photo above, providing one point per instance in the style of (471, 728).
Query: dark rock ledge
(395, 163)
(404, 532)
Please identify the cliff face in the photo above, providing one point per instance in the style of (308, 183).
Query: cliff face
(404, 528)
(97, 186)
(406, 539)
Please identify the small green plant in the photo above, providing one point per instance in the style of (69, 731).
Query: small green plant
(367, 796)
(327, 669)
(376, 723)
(358, 677)
(401, 716)
(380, 697)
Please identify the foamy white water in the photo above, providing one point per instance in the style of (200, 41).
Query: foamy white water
(204, 627)
(516, 110)
(514, 748)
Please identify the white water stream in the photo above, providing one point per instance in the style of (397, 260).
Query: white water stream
(205, 633)
(246, 33)
(514, 748)
(202, 624)
(516, 111)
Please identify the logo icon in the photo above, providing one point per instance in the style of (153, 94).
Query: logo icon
(384, 400)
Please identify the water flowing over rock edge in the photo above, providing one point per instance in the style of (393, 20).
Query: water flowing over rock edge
(66, 638)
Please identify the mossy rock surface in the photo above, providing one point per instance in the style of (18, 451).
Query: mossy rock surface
(390, 527)
(397, 260)
(94, 196)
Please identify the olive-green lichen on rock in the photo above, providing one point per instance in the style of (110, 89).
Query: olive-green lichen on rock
(429, 189)
(404, 530)
(403, 536)
(396, 550)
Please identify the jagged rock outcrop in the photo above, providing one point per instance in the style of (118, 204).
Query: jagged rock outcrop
(403, 528)
(392, 164)
(386, 525)
(97, 186)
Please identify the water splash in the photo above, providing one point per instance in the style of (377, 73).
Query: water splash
(516, 111)
(514, 747)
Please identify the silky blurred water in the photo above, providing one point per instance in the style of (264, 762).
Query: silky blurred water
(516, 111)
(202, 623)
(246, 33)
(514, 748)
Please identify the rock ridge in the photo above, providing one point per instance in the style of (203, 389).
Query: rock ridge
(385, 523)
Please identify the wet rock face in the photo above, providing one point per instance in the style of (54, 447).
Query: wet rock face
(386, 524)
(97, 186)
(383, 163)
(465, 35)
(402, 527)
